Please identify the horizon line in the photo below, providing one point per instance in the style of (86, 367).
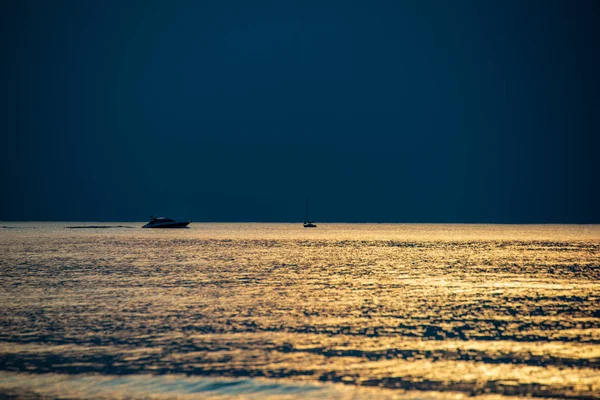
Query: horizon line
(319, 222)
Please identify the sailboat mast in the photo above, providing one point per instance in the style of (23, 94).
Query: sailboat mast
(306, 214)
(307, 223)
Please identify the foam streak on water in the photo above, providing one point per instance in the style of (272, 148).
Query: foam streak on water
(275, 310)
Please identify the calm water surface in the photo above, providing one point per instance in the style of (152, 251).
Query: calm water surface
(279, 311)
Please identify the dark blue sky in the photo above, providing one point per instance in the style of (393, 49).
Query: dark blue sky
(397, 111)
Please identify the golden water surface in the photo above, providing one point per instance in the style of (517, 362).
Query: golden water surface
(275, 310)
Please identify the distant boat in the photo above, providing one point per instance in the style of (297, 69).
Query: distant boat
(307, 222)
(162, 222)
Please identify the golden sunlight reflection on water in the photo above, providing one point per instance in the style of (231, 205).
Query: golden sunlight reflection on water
(416, 311)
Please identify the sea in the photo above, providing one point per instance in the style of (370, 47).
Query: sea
(94, 310)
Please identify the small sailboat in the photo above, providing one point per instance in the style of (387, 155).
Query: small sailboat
(307, 222)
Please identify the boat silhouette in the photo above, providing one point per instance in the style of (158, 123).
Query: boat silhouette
(164, 223)
(307, 222)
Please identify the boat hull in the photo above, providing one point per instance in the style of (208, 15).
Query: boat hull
(310, 225)
(168, 225)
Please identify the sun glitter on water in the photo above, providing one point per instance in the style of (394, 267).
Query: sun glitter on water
(394, 310)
